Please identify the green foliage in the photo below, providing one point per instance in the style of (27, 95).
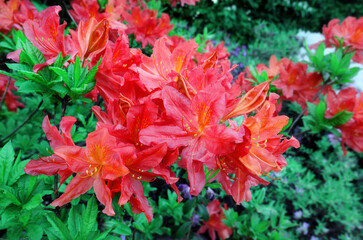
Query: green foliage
(53, 81)
(316, 122)
(335, 65)
(21, 198)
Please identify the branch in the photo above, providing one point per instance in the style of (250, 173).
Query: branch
(312, 100)
(25, 121)
(4, 94)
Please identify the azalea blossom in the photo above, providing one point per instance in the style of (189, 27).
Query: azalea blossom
(215, 224)
(146, 27)
(350, 30)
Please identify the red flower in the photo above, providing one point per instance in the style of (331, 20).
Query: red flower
(215, 223)
(54, 164)
(296, 83)
(99, 162)
(146, 27)
(159, 69)
(90, 38)
(351, 30)
(11, 100)
(48, 36)
(352, 131)
(195, 125)
(258, 154)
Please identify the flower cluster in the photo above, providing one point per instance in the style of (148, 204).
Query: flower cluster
(350, 30)
(174, 107)
(295, 84)
(352, 131)
(215, 224)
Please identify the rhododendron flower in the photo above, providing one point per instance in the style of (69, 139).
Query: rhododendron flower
(258, 154)
(14, 13)
(146, 27)
(296, 83)
(54, 164)
(249, 102)
(215, 223)
(6, 14)
(195, 125)
(90, 38)
(99, 162)
(48, 36)
(156, 71)
(11, 101)
(351, 30)
(84, 10)
(352, 131)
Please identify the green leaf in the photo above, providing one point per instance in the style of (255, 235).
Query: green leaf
(183, 230)
(77, 71)
(320, 110)
(34, 231)
(15, 76)
(213, 185)
(35, 55)
(59, 226)
(60, 89)
(29, 87)
(254, 220)
(122, 229)
(260, 195)
(262, 226)
(62, 73)
(6, 161)
(9, 193)
(89, 217)
(339, 118)
(19, 67)
(34, 202)
(91, 74)
(17, 170)
(33, 77)
(74, 221)
(103, 235)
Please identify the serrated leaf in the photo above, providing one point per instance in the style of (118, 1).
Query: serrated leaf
(19, 67)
